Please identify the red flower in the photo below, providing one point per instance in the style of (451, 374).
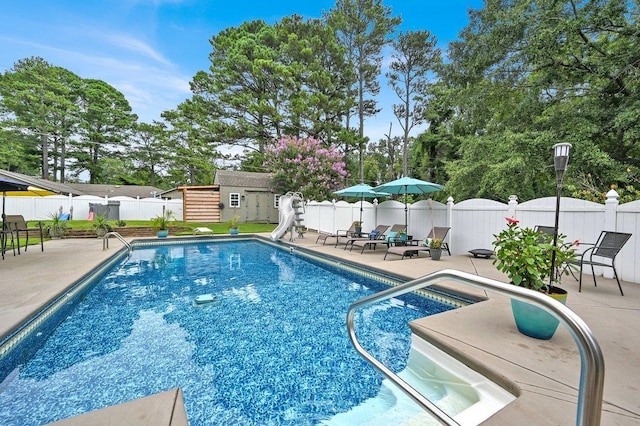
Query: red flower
(576, 243)
(512, 220)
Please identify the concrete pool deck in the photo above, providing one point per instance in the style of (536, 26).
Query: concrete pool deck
(546, 372)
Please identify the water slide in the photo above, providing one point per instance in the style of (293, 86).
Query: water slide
(287, 215)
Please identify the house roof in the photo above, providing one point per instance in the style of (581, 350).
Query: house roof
(243, 179)
(57, 187)
(133, 191)
(75, 189)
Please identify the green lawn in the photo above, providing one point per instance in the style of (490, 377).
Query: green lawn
(185, 228)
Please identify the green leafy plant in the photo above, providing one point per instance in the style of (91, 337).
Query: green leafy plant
(161, 222)
(233, 222)
(58, 227)
(524, 254)
(101, 225)
(435, 243)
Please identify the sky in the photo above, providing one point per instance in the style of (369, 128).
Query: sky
(150, 49)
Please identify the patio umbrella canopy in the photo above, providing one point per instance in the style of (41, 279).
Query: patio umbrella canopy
(408, 185)
(13, 187)
(361, 191)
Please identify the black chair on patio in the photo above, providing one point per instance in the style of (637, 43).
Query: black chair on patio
(602, 253)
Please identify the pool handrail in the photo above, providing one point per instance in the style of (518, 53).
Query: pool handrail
(590, 392)
(105, 240)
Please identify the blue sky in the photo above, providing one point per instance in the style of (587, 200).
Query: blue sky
(150, 49)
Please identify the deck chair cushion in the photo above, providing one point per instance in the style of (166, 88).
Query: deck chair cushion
(391, 236)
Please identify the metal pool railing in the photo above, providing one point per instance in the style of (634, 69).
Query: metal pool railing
(592, 361)
(105, 240)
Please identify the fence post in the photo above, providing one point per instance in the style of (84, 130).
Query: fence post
(610, 221)
(449, 219)
(513, 203)
(610, 211)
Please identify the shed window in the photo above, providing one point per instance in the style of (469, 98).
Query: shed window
(234, 199)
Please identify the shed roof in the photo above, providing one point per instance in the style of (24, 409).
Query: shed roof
(243, 179)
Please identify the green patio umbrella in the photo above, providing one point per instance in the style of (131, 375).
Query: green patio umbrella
(408, 185)
(361, 191)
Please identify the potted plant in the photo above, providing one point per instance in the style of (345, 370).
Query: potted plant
(435, 248)
(58, 227)
(357, 228)
(161, 223)
(232, 224)
(524, 254)
(101, 225)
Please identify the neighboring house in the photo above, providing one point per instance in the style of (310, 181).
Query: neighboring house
(248, 195)
(110, 191)
(56, 187)
(99, 190)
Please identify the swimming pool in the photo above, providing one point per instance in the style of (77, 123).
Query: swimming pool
(271, 347)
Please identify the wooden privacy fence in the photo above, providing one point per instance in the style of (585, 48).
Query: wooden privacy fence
(474, 222)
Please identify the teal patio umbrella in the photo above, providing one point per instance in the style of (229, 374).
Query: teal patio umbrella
(361, 191)
(408, 185)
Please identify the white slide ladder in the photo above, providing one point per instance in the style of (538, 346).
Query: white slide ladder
(290, 210)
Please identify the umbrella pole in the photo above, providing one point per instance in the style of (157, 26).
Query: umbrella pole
(406, 215)
(4, 196)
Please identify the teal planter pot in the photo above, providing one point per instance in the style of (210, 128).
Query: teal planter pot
(234, 231)
(163, 233)
(535, 322)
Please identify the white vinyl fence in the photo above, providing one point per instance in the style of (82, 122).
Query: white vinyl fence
(42, 208)
(474, 222)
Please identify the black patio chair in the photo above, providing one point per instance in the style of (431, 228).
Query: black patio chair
(602, 253)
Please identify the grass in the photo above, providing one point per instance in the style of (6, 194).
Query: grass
(186, 228)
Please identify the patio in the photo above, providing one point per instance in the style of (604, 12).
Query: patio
(546, 372)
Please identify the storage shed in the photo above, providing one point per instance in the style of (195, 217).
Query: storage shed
(201, 203)
(249, 195)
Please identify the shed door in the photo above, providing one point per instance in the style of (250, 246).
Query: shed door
(258, 206)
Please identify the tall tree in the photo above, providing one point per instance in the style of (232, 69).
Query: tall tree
(363, 27)
(542, 72)
(41, 102)
(268, 80)
(414, 57)
(150, 151)
(105, 126)
(244, 85)
(190, 141)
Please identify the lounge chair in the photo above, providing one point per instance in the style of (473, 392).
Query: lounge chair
(602, 253)
(440, 232)
(377, 236)
(19, 226)
(411, 248)
(388, 237)
(202, 230)
(405, 251)
(345, 237)
(324, 236)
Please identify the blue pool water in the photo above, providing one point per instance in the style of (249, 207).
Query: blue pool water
(271, 348)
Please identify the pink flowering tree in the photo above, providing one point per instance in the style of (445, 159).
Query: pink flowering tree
(307, 166)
